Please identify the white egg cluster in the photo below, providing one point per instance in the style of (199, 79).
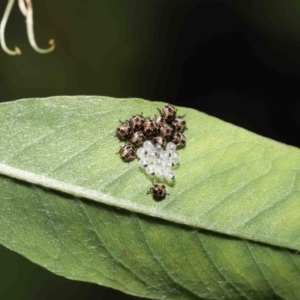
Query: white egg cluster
(158, 162)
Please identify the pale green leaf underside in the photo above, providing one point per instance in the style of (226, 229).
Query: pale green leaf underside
(140, 255)
(231, 184)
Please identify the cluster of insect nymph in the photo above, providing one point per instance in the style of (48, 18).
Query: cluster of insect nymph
(154, 142)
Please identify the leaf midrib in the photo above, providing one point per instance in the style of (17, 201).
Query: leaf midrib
(93, 195)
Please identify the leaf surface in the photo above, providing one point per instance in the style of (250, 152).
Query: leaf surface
(232, 190)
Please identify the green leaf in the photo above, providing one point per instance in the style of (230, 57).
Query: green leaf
(229, 228)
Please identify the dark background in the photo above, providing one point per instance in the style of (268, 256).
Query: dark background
(236, 60)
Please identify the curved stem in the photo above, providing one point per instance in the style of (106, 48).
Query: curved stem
(22, 7)
(29, 25)
(7, 11)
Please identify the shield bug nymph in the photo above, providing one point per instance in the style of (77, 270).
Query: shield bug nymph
(178, 139)
(127, 152)
(150, 127)
(166, 131)
(158, 140)
(138, 138)
(179, 124)
(168, 112)
(136, 122)
(159, 121)
(158, 191)
(124, 131)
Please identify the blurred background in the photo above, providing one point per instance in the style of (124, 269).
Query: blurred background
(236, 60)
